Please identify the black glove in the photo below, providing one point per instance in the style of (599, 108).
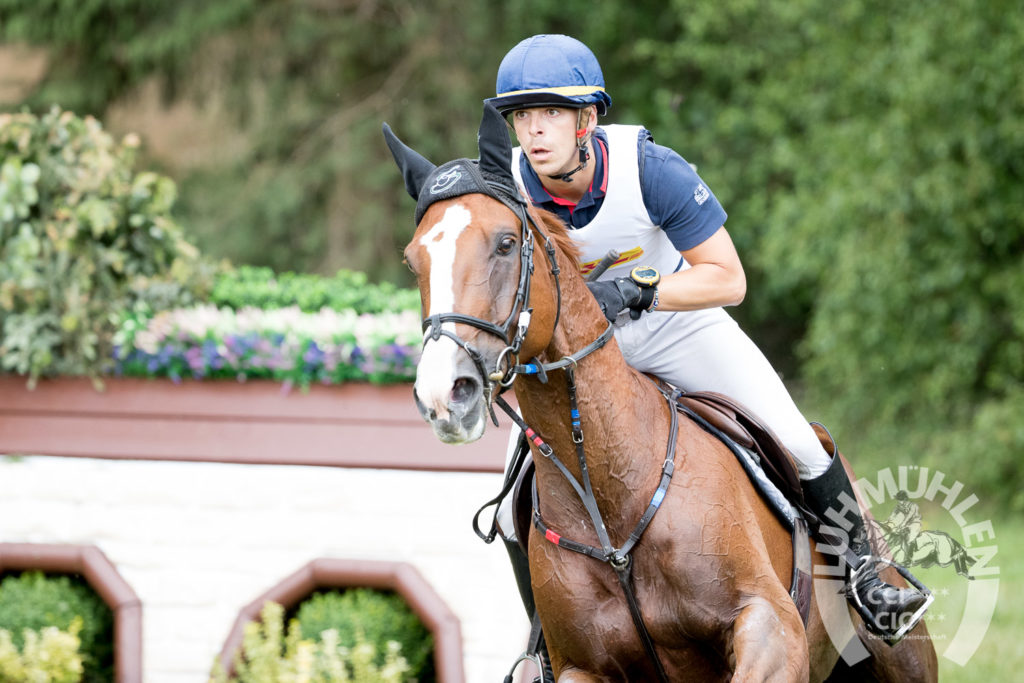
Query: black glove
(615, 296)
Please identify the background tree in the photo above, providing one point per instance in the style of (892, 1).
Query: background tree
(870, 156)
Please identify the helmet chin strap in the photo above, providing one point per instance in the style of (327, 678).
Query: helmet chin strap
(581, 134)
(584, 157)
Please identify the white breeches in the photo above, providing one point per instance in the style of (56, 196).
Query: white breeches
(707, 351)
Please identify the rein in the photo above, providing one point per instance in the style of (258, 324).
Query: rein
(619, 558)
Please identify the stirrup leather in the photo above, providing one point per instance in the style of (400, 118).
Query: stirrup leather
(536, 652)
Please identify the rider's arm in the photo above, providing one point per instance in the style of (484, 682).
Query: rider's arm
(715, 277)
(680, 202)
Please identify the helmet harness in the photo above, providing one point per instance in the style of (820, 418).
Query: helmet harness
(584, 152)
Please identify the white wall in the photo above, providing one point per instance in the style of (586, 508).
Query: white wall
(198, 541)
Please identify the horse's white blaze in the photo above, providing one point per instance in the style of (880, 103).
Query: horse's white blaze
(436, 372)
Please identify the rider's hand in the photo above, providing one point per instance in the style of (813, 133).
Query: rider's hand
(615, 296)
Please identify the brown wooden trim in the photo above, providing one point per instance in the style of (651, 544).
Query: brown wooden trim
(102, 577)
(352, 425)
(400, 577)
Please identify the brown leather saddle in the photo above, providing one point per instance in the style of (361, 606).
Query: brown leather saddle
(746, 429)
(736, 423)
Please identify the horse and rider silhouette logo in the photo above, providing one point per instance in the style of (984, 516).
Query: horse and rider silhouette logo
(912, 496)
(911, 545)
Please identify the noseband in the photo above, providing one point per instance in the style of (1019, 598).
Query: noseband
(518, 317)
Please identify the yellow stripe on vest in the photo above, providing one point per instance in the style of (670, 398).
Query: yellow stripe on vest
(625, 257)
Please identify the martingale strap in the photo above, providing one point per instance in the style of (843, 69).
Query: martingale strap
(607, 553)
(512, 471)
(619, 558)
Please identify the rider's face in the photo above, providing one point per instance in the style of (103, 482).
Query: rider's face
(548, 138)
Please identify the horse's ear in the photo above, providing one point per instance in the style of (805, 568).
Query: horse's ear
(495, 144)
(415, 168)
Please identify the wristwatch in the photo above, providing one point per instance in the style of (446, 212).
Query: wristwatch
(645, 276)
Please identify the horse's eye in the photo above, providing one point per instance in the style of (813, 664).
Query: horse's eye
(412, 269)
(505, 245)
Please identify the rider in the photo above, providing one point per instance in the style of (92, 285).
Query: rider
(616, 189)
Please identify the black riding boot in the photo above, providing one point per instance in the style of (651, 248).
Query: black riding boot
(521, 570)
(888, 612)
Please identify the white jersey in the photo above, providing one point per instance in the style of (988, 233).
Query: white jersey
(622, 223)
(701, 350)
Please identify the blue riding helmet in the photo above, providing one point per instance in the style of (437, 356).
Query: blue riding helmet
(550, 70)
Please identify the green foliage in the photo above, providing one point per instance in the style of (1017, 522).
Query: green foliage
(49, 655)
(381, 617)
(347, 290)
(33, 601)
(81, 235)
(870, 157)
(923, 226)
(107, 46)
(318, 162)
(990, 447)
(270, 654)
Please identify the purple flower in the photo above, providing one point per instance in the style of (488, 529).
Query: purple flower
(313, 355)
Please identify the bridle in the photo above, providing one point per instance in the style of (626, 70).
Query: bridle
(513, 332)
(506, 369)
(516, 326)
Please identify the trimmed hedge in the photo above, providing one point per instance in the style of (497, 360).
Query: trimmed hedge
(250, 286)
(33, 600)
(379, 616)
(49, 655)
(275, 653)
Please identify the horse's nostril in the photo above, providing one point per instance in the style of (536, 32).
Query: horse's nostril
(464, 389)
(428, 413)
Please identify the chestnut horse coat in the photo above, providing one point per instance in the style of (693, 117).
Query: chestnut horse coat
(711, 571)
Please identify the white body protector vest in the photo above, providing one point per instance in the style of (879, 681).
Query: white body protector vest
(622, 223)
(703, 350)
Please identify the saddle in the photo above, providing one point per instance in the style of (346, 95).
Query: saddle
(739, 424)
(768, 463)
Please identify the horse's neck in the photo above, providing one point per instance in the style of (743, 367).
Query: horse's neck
(625, 430)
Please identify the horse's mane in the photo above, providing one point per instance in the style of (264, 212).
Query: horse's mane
(555, 228)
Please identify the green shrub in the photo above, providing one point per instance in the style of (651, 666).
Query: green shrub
(82, 237)
(262, 288)
(989, 449)
(272, 655)
(34, 601)
(381, 616)
(49, 655)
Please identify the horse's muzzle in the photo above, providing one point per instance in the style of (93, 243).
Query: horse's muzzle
(458, 415)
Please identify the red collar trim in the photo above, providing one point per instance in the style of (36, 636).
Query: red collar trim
(604, 159)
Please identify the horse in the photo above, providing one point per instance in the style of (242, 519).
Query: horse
(499, 282)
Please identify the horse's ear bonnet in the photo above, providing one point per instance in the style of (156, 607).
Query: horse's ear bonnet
(490, 175)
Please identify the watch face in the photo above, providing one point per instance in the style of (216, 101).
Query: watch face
(646, 275)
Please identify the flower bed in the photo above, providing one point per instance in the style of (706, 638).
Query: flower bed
(285, 344)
